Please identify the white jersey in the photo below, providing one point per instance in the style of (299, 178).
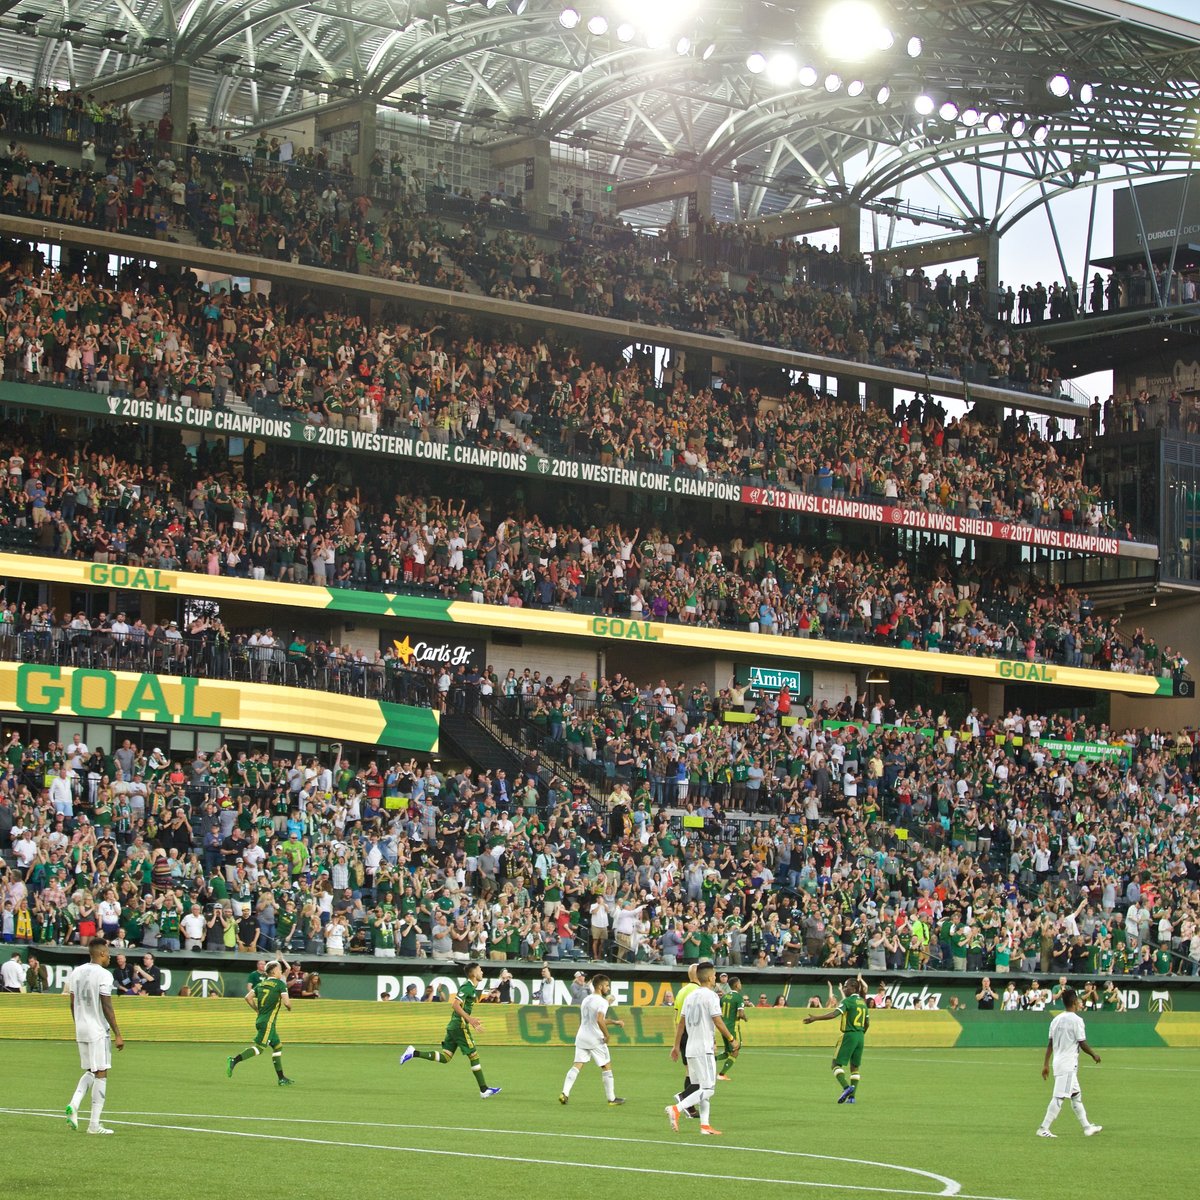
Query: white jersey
(700, 1008)
(87, 983)
(591, 1010)
(1066, 1032)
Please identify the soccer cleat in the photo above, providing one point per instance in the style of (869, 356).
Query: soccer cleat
(563, 1097)
(1046, 1133)
(709, 1131)
(673, 1116)
(99, 1129)
(72, 1117)
(284, 1081)
(851, 1100)
(488, 1093)
(230, 1063)
(723, 1078)
(1091, 1130)
(847, 1094)
(408, 1055)
(615, 1101)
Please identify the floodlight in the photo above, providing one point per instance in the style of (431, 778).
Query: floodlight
(569, 18)
(883, 93)
(1087, 93)
(756, 63)
(1041, 134)
(597, 26)
(924, 104)
(855, 87)
(781, 69)
(1058, 86)
(852, 30)
(1016, 127)
(994, 122)
(833, 82)
(915, 46)
(948, 111)
(708, 51)
(683, 46)
(806, 76)
(970, 116)
(625, 32)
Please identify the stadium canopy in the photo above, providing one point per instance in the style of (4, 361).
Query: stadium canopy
(997, 105)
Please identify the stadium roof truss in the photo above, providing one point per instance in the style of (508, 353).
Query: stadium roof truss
(681, 94)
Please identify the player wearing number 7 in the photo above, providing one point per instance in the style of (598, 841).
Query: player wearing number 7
(852, 1012)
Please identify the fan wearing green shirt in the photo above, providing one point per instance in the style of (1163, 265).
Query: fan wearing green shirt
(852, 1013)
(268, 996)
(460, 1032)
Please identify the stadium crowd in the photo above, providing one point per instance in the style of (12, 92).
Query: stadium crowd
(857, 836)
(303, 210)
(88, 501)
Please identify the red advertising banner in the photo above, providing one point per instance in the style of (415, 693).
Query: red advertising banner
(938, 522)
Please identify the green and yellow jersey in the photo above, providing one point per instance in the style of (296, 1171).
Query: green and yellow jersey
(732, 1004)
(269, 992)
(853, 1015)
(468, 995)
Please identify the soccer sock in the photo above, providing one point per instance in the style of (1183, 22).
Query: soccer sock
(85, 1082)
(854, 1079)
(727, 1065)
(569, 1082)
(610, 1087)
(1077, 1105)
(431, 1056)
(705, 1097)
(247, 1054)
(98, 1090)
(1052, 1111)
(277, 1062)
(840, 1075)
(477, 1067)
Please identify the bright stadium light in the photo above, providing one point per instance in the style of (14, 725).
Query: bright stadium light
(569, 18)
(855, 88)
(970, 116)
(598, 25)
(833, 82)
(1087, 93)
(994, 123)
(683, 46)
(948, 111)
(756, 63)
(781, 69)
(883, 93)
(656, 38)
(626, 32)
(1041, 134)
(1058, 86)
(852, 29)
(806, 76)
(924, 104)
(1016, 127)
(708, 51)
(915, 47)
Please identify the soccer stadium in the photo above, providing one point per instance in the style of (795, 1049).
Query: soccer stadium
(631, 562)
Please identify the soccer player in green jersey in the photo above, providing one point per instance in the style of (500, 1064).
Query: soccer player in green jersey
(733, 1010)
(459, 1032)
(852, 1011)
(269, 995)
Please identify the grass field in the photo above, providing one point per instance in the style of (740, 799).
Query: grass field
(927, 1123)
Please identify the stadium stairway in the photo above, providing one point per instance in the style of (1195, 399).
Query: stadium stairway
(466, 737)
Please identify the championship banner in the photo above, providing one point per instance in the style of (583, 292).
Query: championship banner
(743, 645)
(97, 695)
(640, 478)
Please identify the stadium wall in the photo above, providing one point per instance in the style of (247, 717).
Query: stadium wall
(229, 1021)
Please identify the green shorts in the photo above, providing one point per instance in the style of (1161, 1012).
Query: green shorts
(849, 1051)
(458, 1039)
(265, 1033)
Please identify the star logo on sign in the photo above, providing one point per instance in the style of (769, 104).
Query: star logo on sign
(404, 650)
(309, 433)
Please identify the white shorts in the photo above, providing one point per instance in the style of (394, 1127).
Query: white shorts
(597, 1054)
(702, 1071)
(1066, 1086)
(95, 1055)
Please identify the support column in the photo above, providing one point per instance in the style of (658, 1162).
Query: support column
(850, 230)
(350, 130)
(881, 395)
(177, 100)
(534, 155)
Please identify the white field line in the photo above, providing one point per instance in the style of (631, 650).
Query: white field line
(950, 1187)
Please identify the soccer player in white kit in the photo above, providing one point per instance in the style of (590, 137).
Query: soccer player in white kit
(701, 1019)
(1067, 1037)
(90, 987)
(591, 1042)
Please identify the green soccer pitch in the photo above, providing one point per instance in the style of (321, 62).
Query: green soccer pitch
(927, 1123)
